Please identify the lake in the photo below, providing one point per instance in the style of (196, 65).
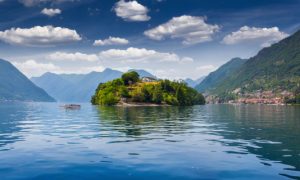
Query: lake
(44, 141)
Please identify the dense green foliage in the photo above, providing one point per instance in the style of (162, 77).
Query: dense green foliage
(213, 79)
(274, 68)
(14, 86)
(130, 77)
(109, 93)
(158, 92)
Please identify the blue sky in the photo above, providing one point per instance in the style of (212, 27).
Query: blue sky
(170, 38)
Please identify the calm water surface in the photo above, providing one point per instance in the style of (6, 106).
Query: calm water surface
(43, 141)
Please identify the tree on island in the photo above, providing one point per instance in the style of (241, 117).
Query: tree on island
(130, 77)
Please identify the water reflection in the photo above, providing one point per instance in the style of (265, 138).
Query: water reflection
(138, 121)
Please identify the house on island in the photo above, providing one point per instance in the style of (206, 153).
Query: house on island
(148, 79)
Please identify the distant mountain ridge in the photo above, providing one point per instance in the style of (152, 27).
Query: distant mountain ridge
(275, 68)
(193, 83)
(15, 86)
(215, 78)
(78, 87)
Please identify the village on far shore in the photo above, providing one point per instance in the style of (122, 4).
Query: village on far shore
(258, 97)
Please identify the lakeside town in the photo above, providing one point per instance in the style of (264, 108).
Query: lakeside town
(258, 97)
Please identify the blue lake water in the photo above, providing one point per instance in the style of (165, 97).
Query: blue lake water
(44, 141)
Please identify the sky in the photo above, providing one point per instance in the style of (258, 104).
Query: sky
(173, 39)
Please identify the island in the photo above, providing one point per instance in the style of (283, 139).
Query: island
(131, 90)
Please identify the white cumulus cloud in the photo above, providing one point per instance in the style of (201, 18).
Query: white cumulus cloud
(265, 36)
(51, 12)
(77, 56)
(164, 64)
(39, 36)
(131, 11)
(111, 41)
(141, 55)
(192, 29)
(33, 68)
(206, 68)
(187, 59)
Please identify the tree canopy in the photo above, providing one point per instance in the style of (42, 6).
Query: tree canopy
(130, 77)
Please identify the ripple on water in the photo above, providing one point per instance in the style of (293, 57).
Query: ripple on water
(209, 142)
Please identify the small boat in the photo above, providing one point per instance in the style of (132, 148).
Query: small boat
(71, 106)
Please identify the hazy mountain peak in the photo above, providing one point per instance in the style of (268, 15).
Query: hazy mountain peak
(192, 83)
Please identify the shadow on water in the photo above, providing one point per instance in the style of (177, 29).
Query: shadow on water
(270, 132)
(139, 121)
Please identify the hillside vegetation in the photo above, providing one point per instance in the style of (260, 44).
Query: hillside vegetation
(215, 78)
(275, 69)
(131, 89)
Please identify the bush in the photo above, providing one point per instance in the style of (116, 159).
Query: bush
(109, 99)
(180, 95)
(171, 100)
(124, 92)
(146, 93)
(137, 95)
(199, 99)
(157, 96)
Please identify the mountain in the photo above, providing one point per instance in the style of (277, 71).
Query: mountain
(275, 68)
(73, 78)
(143, 73)
(192, 83)
(213, 79)
(86, 87)
(14, 86)
(55, 85)
(74, 87)
(78, 87)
